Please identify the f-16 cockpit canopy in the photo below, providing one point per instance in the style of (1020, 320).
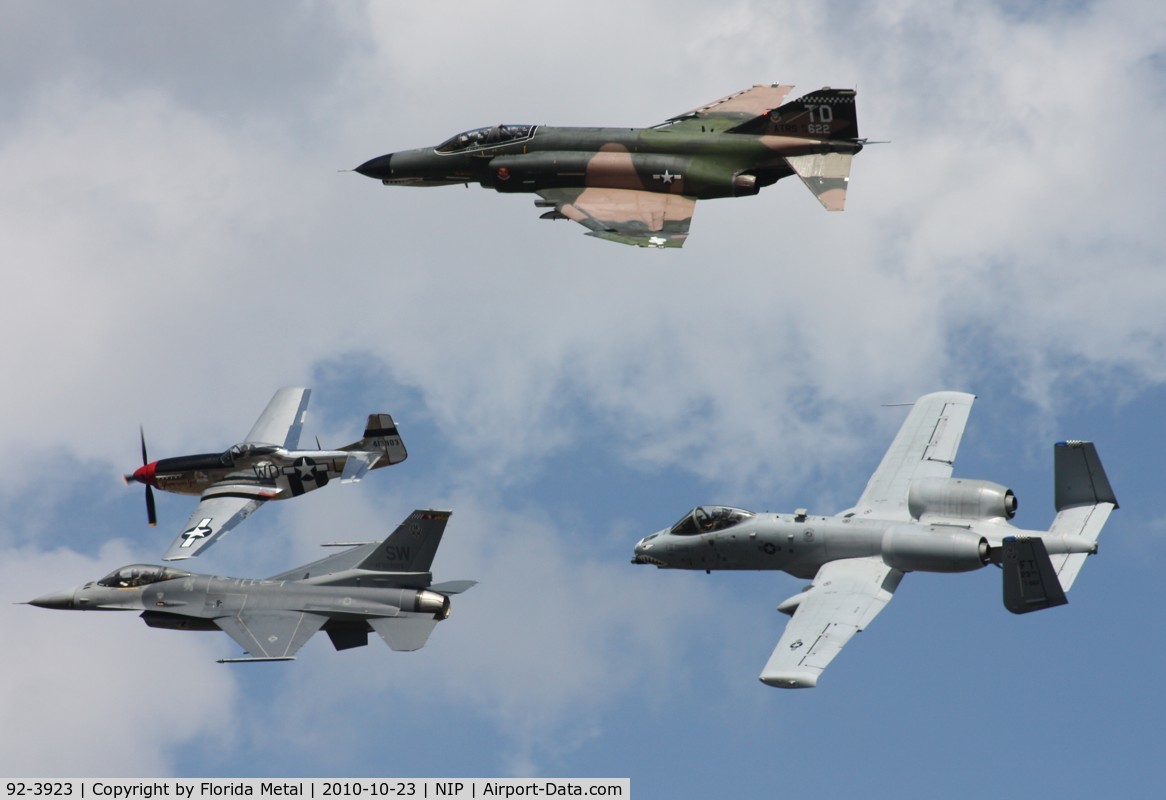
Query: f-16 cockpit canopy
(140, 575)
(706, 519)
(490, 136)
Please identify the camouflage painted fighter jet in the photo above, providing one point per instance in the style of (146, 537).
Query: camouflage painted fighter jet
(640, 185)
(385, 587)
(912, 516)
(266, 466)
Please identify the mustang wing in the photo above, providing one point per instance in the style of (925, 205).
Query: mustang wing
(283, 419)
(925, 447)
(221, 508)
(844, 597)
(732, 110)
(271, 634)
(627, 216)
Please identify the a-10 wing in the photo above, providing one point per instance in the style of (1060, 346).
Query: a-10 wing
(925, 447)
(844, 597)
(847, 594)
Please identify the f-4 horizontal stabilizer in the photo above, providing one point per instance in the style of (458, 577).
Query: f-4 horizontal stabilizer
(1030, 582)
(258, 658)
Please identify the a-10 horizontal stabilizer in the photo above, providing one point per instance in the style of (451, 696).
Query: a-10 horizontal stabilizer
(1030, 582)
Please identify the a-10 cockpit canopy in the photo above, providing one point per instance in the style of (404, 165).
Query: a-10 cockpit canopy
(706, 519)
(490, 136)
(140, 575)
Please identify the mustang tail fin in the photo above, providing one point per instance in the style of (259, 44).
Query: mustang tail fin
(1084, 500)
(380, 446)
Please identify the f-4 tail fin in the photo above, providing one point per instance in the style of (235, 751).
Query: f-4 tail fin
(823, 114)
(1084, 500)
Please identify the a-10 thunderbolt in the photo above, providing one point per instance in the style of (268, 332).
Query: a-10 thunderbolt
(912, 516)
(265, 466)
(384, 587)
(640, 185)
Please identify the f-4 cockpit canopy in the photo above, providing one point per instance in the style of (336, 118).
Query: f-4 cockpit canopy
(490, 136)
(140, 575)
(706, 519)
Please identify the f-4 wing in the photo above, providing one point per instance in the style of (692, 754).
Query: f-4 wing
(844, 597)
(627, 216)
(925, 447)
(732, 110)
(221, 508)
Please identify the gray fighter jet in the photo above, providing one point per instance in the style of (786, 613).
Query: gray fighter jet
(266, 466)
(385, 587)
(912, 516)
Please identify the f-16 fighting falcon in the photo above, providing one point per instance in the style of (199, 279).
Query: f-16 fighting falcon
(640, 185)
(266, 466)
(384, 587)
(912, 516)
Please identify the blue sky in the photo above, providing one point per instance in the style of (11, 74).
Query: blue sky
(179, 243)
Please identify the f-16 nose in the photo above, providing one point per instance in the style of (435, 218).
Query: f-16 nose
(62, 599)
(379, 168)
(144, 474)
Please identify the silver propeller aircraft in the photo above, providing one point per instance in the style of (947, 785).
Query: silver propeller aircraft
(266, 466)
(384, 587)
(912, 516)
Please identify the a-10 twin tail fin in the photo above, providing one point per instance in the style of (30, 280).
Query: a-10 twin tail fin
(1038, 571)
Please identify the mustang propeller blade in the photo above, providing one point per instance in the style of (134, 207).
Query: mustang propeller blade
(151, 513)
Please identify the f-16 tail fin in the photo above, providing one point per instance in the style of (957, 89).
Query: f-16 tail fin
(1084, 500)
(823, 114)
(380, 446)
(412, 546)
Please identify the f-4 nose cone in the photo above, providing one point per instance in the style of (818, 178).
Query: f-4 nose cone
(378, 168)
(54, 600)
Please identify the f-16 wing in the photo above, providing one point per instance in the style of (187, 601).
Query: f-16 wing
(732, 110)
(627, 216)
(925, 447)
(283, 419)
(221, 508)
(271, 634)
(844, 597)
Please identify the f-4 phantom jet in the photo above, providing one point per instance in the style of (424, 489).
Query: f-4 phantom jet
(385, 587)
(912, 516)
(266, 466)
(640, 185)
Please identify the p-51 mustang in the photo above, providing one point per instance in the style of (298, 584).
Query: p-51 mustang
(640, 185)
(912, 516)
(265, 466)
(385, 587)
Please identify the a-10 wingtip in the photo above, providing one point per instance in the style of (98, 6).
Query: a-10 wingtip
(790, 680)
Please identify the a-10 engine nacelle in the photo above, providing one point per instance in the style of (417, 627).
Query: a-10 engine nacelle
(957, 498)
(912, 547)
